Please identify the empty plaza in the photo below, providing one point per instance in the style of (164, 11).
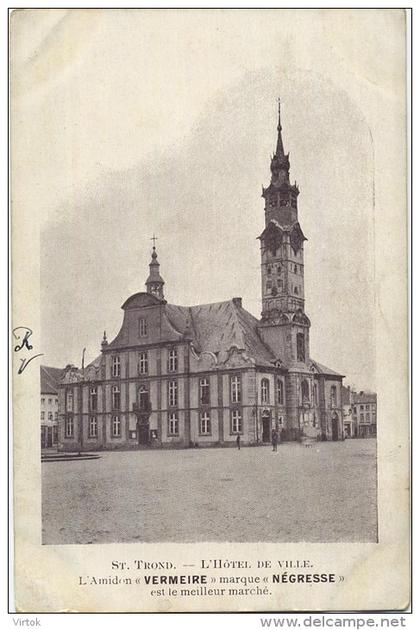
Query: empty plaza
(324, 493)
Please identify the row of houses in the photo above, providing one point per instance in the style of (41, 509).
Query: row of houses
(359, 413)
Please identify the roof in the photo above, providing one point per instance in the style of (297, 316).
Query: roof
(50, 376)
(219, 326)
(364, 397)
(322, 369)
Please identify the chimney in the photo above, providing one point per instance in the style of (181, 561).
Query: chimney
(237, 301)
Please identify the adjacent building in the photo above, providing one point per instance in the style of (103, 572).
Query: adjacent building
(203, 375)
(364, 407)
(49, 378)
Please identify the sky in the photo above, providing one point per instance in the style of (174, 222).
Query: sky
(151, 122)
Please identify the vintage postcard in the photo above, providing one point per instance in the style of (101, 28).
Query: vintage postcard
(209, 336)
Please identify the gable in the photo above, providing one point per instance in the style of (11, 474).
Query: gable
(141, 300)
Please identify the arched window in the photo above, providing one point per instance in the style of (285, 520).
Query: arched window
(265, 391)
(315, 394)
(333, 396)
(304, 387)
(280, 392)
(300, 346)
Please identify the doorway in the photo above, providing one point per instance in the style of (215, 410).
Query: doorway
(266, 428)
(143, 432)
(334, 427)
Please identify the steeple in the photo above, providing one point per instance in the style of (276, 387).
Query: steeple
(279, 149)
(155, 282)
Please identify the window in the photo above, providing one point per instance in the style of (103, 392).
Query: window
(295, 269)
(172, 393)
(42, 401)
(205, 427)
(173, 360)
(56, 415)
(142, 327)
(69, 427)
(280, 392)
(265, 391)
(49, 401)
(144, 402)
(362, 417)
(116, 366)
(269, 271)
(362, 407)
(143, 363)
(116, 426)
(204, 391)
(173, 424)
(368, 417)
(116, 397)
(42, 415)
(268, 285)
(50, 416)
(93, 399)
(69, 401)
(296, 290)
(304, 387)
(93, 427)
(235, 389)
(300, 346)
(236, 421)
(333, 396)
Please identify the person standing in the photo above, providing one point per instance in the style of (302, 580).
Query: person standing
(274, 439)
(238, 442)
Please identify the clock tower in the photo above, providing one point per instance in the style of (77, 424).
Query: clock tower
(284, 325)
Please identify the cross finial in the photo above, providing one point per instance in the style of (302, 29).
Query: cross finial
(154, 239)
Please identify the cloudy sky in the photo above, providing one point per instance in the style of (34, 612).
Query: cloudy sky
(130, 123)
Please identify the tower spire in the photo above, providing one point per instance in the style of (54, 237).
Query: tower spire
(155, 282)
(279, 148)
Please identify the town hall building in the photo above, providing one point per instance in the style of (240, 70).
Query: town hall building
(191, 376)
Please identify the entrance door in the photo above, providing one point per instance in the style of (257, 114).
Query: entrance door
(266, 426)
(143, 432)
(334, 427)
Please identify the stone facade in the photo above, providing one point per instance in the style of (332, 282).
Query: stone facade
(179, 376)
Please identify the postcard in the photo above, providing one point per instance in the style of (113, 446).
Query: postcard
(209, 290)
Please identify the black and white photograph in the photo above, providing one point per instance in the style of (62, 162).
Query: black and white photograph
(216, 292)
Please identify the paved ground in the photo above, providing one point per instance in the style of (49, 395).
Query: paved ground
(326, 493)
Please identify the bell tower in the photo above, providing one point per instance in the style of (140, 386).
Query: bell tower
(155, 282)
(284, 325)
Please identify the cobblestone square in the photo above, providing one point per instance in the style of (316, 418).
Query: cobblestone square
(325, 493)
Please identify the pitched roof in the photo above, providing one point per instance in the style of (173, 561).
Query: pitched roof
(50, 377)
(322, 369)
(219, 326)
